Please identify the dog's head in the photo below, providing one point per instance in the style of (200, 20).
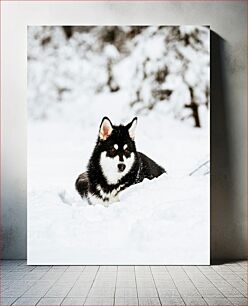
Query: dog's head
(117, 149)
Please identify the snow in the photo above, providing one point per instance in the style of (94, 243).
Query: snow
(153, 223)
(163, 221)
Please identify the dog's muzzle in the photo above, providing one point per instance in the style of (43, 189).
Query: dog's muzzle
(121, 167)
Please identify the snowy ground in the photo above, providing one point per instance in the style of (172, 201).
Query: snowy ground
(163, 221)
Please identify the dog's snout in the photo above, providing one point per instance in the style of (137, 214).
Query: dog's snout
(121, 158)
(121, 167)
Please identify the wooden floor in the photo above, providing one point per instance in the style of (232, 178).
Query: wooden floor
(123, 285)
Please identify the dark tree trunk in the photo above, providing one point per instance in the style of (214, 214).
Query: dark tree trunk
(194, 107)
(113, 87)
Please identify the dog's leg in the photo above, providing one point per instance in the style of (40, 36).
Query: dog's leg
(82, 184)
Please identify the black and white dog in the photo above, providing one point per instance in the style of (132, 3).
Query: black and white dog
(115, 164)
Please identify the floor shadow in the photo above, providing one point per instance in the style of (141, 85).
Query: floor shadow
(224, 232)
(225, 261)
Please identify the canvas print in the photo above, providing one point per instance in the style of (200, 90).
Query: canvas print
(118, 145)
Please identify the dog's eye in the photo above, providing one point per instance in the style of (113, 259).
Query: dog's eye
(112, 151)
(126, 151)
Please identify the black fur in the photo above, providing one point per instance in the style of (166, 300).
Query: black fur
(142, 167)
(82, 184)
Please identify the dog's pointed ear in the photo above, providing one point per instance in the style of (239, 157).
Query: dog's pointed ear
(106, 128)
(131, 128)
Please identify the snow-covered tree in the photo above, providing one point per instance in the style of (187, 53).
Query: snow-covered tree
(165, 67)
(169, 65)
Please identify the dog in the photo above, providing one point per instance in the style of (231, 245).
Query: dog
(115, 164)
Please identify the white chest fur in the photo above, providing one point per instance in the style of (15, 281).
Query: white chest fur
(109, 167)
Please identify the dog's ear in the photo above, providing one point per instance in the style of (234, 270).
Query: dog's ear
(106, 128)
(131, 128)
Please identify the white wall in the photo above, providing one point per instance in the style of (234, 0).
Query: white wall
(228, 104)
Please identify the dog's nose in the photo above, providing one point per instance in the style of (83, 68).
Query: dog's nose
(121, 167)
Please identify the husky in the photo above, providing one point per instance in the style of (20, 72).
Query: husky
(115, 164)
